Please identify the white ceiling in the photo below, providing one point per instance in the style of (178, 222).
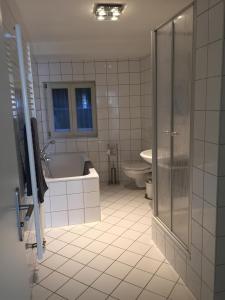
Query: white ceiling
(68, 27)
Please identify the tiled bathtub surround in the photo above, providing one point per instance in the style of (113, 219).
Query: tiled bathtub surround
(120, 95)
(204, 270)
(73, 200)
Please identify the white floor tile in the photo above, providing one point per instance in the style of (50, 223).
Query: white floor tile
(87, 275)
(107, 238)
(126, 291)
(131, 234)
(92, 294)
(55, 297)
(40, 293)
(129, 258)
(54, 261)
(139, 248)
(146, 295)
(72, 289)
(122, 243)
(160, 286)
(106, 283)
(100, 263)
(55, 233)
(167, 272)
(96, 247)
(146, 239)
(54, 281)
(181, 292)
(112, 252)
(70, 268)
(92, 234)
(138, 277)
(118, 269)
(69, 251)
(103, 226)
(84, 256)
(56, 245)
(139, 227)
(43, 272)
(68, 237)
(82, 242)
(148, 265)
(117, 230)
(155, 253)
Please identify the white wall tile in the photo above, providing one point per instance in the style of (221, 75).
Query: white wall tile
(210, 188)
(202, 29)
(58, 203)
(59, 219)
(75, 201)
(216, 22)
(78, 68)
(74, 186)
(92, 214)
(215, 56)
(201, 63)
(66, 68)
(89, 68)
(196, 235)
(91, 185)
(209, 246)
(54, 69)
(123, 66)
(91, 199)
(57, 188)
(76, 216)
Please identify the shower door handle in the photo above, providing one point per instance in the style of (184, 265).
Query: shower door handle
(167, 131)
(174, 133)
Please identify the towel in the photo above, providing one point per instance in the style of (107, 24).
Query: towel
(41, 184)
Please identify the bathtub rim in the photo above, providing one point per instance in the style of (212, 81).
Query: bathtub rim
(92, 175)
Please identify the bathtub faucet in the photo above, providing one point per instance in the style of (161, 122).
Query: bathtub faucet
(44, 156)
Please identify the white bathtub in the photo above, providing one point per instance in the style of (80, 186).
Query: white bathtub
(72, 198)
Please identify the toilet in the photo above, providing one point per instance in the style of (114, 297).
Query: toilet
(138, 171)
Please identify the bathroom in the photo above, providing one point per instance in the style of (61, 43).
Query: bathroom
(118, 178)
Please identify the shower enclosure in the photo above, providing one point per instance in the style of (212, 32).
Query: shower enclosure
(172, 77)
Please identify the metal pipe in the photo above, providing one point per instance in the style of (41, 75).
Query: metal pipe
(29, 141)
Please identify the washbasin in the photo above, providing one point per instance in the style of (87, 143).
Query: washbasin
(147, 155)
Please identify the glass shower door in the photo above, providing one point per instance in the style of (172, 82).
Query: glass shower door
(164, 113)
(173, 55)
(181, 123)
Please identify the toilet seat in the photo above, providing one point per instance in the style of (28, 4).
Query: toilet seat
(137, 166)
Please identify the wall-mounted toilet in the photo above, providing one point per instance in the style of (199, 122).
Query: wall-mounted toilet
(138, 171)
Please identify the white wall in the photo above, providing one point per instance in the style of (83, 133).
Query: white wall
(118, 89)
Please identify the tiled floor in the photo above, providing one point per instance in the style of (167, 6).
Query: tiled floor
(114, 259)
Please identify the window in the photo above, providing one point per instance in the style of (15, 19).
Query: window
(71, 109)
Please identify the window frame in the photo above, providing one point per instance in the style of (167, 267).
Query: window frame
(74, 130)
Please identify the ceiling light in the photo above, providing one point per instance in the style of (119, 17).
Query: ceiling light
(114, 18)
(108, 11)
(100, 18)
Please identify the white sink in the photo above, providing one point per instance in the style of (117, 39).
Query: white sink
(147, 155)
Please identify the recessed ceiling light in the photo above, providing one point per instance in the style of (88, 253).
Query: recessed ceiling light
(108, 11)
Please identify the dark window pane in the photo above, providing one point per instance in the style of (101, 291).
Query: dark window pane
(61, 110)
(84, 109)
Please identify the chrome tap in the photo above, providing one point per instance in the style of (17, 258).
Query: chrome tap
(44, 156)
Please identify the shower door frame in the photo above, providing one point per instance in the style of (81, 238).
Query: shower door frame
(185, 247)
